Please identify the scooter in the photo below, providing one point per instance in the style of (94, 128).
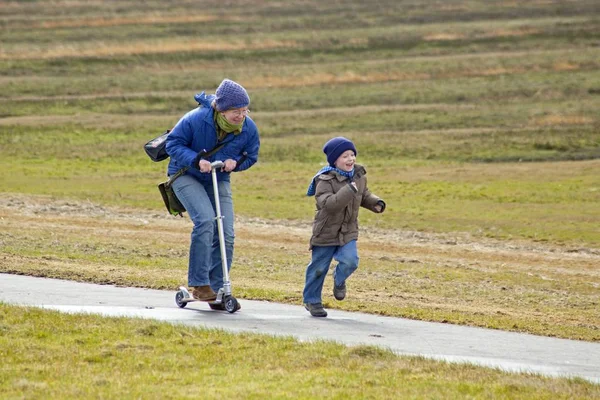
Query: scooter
(224, 296)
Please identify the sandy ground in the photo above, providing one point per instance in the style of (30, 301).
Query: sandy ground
(417, 246)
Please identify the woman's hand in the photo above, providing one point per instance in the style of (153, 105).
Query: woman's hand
(204, 166)
(229, 165)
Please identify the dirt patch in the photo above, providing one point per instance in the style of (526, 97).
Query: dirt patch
(46, 206)
(458, 278)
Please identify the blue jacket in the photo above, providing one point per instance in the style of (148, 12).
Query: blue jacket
(196, 131)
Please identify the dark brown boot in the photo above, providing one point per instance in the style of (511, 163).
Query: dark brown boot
(204, 293)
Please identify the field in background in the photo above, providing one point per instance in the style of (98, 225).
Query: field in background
(470, 116)
(477, 122)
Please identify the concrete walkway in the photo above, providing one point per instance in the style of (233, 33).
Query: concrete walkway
(505, 350)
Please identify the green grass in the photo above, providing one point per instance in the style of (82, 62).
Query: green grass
(134, 358)
(433, 180)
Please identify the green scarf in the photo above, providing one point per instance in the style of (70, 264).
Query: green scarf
(225, 127)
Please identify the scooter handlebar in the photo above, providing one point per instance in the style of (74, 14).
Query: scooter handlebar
(216, 165)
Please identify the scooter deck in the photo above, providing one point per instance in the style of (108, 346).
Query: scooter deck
(191, 300)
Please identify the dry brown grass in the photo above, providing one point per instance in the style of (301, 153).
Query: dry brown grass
(331, 78)
(513, 285)
(557, 120)
(444, 36)
(492, 33)
(504, 32)
(103, 49)
(88, 119)
(279, 77)
(566, 66)
(131, 20)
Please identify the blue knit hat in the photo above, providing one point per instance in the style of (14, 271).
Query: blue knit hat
(336, 147)
(231, 95)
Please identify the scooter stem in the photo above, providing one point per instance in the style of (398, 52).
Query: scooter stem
(215, 165)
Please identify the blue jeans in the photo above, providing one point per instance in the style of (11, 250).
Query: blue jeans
(347, 258)
(205, 267)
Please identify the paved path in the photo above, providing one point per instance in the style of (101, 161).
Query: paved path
(505, 350)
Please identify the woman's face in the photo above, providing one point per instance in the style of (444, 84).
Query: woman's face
(345, 162)
(236, 115)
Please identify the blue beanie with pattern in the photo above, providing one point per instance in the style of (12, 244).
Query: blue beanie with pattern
(336, 147)
(231, 95)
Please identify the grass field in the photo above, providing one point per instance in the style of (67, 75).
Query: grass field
(477, 122)
(149, 357)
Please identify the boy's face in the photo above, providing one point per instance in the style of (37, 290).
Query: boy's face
(345, 162)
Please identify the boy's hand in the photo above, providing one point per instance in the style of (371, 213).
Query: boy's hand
(380, 206)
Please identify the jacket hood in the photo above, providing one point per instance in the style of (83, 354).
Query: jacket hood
(204, 99)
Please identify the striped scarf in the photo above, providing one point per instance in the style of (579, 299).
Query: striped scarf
(312, 188)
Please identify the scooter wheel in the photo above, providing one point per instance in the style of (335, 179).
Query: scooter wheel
(179, 299)
(231, 304)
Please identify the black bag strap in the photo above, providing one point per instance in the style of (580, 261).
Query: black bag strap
(175, 176)
(184, 169)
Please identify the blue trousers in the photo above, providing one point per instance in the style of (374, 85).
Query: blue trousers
(316, 271)
(205, 267)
